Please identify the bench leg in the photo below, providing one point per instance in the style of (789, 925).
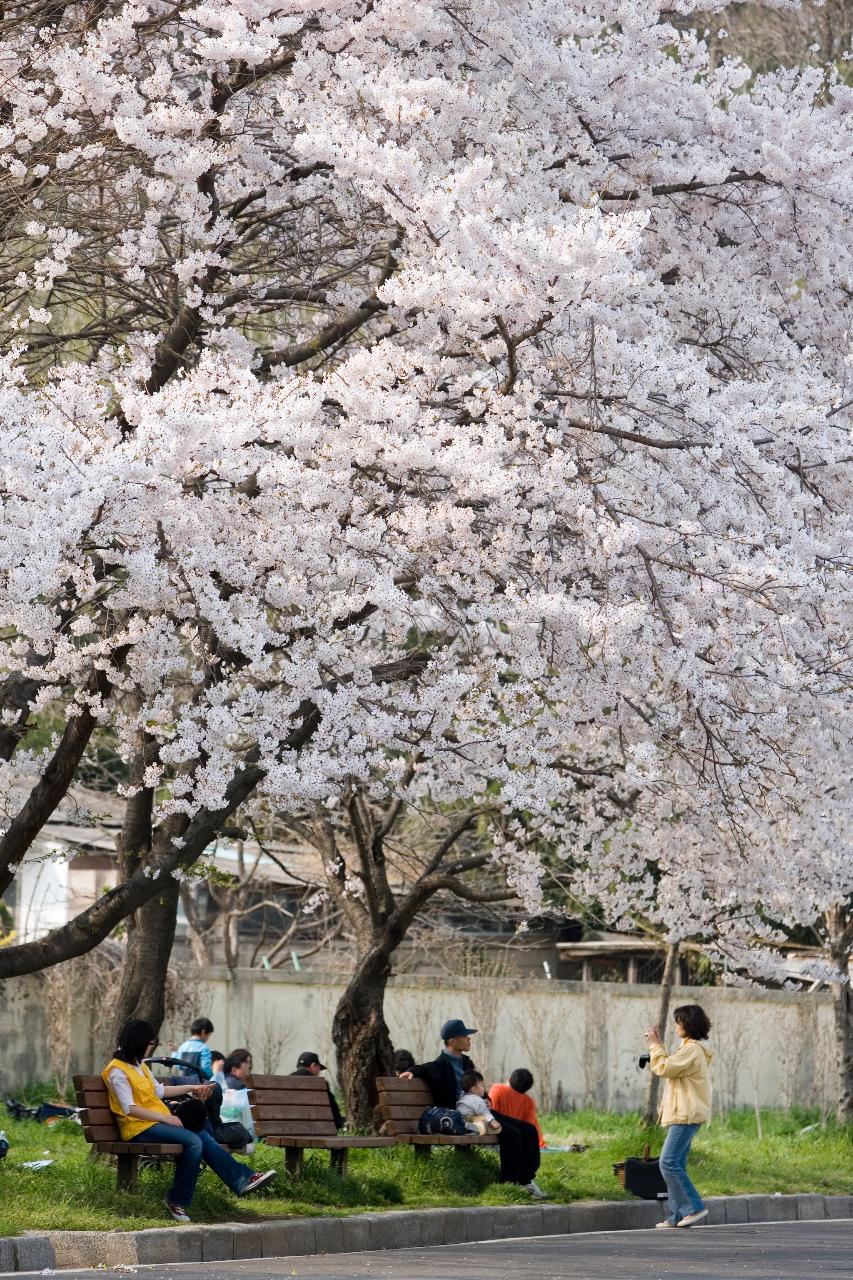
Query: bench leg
(293, 1158)
(338, 1160)
(127, 1167)
(422, 1153)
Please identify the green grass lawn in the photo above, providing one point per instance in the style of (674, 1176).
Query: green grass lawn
(78, 1193)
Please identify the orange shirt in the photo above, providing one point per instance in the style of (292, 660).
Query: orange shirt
(518, 1106)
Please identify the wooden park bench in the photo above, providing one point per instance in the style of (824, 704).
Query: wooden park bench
(295, 1113)
(100, 1128)
(401, 1105)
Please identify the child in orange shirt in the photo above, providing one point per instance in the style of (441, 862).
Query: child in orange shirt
(511, 1099)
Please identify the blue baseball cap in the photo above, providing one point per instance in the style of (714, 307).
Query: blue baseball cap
(456, 1027)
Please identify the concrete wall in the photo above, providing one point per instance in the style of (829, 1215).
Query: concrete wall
(581, 1040)
(26, 1034)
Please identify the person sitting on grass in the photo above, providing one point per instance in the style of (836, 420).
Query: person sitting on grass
(136, 1101)
(473, 1106)
(513, 1099)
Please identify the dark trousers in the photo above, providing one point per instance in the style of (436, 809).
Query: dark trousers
(518, 1143)
(197, 1147)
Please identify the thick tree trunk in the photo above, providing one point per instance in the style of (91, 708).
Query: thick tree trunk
(361, 1037)
(670, 970)
(149, 947)
(839, 929)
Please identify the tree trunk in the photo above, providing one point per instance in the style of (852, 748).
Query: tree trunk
(670, 969)
(149, 946)
(361, 1037)
(843, 1014)
(839, 929)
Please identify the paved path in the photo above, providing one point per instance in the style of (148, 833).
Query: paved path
(775, 1251)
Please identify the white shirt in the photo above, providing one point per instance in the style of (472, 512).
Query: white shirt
(120, 1084)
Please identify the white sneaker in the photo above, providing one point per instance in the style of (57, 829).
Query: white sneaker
(665, 1225)
(535, 1190)
(693, 1218)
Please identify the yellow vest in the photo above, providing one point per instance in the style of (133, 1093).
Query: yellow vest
(144, 1095)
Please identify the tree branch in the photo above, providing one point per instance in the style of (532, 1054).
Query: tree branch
(332, 333)
(51, 786)
(680, 188)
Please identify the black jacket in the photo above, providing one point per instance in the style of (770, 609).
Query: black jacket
(441, 1078)
(340, 1120)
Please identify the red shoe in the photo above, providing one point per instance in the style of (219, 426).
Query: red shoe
(257, 1180)
(177, 1211)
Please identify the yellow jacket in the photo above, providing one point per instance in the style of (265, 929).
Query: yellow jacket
(687, 1096)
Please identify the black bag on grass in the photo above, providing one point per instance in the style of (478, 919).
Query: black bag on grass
(642, 1177)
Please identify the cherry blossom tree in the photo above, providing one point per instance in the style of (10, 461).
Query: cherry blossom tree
(416, 402)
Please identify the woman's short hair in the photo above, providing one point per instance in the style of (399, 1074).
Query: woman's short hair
(521, 1080)
(469, 1079)
(236, 1058)
(133, 1039)
(694, 1020)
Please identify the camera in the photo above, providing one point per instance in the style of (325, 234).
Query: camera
(644, 1060)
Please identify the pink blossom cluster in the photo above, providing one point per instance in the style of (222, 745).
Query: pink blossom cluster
(468, 385)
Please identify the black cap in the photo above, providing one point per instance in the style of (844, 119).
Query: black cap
(308, 1060)
(456, 1027)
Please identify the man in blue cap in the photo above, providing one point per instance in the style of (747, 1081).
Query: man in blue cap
(518, 1142)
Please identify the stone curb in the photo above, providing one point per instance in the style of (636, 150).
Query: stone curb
(296, 1237)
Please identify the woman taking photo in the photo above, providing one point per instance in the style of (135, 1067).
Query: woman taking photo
(686, 1105)
(136, 1100)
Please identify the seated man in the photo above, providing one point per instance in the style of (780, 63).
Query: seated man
(309, 1064)
(512, 1099)
(518, 1142)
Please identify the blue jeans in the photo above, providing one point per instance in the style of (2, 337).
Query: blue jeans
(682, 1196)
(197, 1147)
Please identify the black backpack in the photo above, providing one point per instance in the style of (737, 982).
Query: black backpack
(441, 1120)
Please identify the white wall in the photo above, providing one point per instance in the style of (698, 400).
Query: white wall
(581, 1040)
(42, 895)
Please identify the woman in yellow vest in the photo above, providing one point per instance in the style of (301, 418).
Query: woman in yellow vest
(686, 1105)
(136, 1100)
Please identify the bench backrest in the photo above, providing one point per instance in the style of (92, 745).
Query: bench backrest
(99, 1123)
(402, 1103)
(291, 1106)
